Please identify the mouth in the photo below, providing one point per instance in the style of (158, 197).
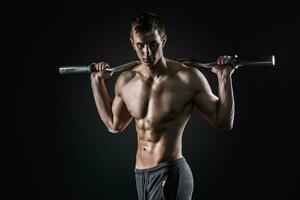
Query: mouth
(148, 60)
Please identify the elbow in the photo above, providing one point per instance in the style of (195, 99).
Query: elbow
(114, 129)
(225, 125)
(111, 127)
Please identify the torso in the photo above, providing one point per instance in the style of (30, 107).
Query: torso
(161, 109)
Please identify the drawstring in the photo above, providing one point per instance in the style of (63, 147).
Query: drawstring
(144, 187)
(145, 184)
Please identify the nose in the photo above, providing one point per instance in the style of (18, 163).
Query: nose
(147, 50)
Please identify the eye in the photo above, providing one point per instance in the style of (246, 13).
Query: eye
(153, 44)
(140, 45)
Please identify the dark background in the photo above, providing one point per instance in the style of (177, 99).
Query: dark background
(60, 150)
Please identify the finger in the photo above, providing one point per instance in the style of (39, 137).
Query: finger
(223, 60)
(227, 59)
(219, 60)
(97, 66)
(104, 65)
(101, 66)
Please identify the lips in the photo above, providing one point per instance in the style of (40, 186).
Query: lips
(148, 60)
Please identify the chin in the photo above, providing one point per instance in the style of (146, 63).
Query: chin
(148, 64)
(151, 64)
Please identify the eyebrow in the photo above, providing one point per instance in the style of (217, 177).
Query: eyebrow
(147, 42)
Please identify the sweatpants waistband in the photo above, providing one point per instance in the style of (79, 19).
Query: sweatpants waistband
(166, 164)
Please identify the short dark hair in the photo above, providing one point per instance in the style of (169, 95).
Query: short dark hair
(147, 22)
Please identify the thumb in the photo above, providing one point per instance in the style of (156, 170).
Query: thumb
(213, 69)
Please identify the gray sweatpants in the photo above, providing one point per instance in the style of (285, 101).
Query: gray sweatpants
(172, 180)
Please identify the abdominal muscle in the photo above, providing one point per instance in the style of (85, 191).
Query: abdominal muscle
(157, 146)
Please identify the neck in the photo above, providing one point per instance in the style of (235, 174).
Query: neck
(156, 70)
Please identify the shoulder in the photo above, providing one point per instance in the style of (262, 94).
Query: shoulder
(189, 75)
(192, 77)
(125, 77)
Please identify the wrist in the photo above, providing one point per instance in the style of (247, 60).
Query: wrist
(222, 76)
(96, 80)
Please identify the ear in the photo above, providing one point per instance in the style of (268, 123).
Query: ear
(132, 43)
(164, 40)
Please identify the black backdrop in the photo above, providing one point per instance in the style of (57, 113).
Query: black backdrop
(59, 148)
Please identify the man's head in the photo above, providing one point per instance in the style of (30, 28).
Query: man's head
(148, 38)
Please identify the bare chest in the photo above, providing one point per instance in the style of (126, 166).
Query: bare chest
(156, 101)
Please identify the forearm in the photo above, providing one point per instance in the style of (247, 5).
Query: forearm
(103, 102)
(225, 106)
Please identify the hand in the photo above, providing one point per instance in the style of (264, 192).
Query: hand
(100, 72)
(224, 66)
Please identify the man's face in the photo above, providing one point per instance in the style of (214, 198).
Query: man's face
(148, 47)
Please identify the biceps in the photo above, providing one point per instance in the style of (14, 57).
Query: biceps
(206, 103)
(120, 112)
